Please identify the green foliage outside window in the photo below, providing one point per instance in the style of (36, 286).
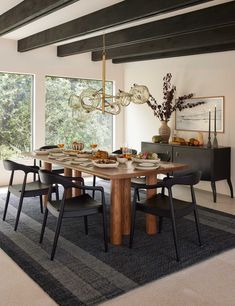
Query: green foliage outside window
(63, 127)
(15, 114)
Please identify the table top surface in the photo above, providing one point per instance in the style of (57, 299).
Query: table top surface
(121, 172)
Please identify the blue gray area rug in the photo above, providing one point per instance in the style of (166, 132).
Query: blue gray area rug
(82, 274)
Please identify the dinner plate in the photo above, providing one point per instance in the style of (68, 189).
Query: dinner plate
(146, 165)
(57, 155)
(38, 152)
(140, 160)
(81, 160)
(114, 165)
(84, 155)
(146, 168)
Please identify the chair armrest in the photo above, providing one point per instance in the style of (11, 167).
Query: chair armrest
(159, 184)
(76, 178)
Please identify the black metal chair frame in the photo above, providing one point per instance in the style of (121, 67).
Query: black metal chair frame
(166, 206)
(79, 206)
(32, 189)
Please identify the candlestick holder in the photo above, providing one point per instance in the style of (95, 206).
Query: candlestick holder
(215, 141)
(209, 142)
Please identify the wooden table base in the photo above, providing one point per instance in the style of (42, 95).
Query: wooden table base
(151, 220)
(120, 214)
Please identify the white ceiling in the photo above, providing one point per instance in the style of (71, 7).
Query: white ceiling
(79, 9)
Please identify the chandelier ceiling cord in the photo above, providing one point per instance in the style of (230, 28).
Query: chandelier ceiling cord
(91, 99)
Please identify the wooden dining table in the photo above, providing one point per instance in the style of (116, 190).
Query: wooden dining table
(120, 193)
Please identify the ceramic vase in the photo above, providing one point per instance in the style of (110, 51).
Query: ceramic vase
(165, 131)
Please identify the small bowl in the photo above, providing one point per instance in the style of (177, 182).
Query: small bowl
(122, 160)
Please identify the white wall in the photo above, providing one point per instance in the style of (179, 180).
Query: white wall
(204, 75)
(42, 62)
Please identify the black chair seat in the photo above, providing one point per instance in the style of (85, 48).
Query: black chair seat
(76, 206)
(159, 205)
(32, 189)
(80, 206)
(162, 205)
(26, 189)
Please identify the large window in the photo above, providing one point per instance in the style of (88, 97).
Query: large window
(63, 126)
(15, 114)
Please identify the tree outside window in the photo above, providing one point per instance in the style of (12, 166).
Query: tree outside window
(62, 126)
(15, 114)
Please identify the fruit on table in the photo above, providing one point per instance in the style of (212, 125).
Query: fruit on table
(178, 140)
(147, 155)
(156, 138)
(194, 142)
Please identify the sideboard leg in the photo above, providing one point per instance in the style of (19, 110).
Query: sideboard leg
(230, 186)
(213, 186)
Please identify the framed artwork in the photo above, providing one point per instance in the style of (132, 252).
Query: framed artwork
(197, 118)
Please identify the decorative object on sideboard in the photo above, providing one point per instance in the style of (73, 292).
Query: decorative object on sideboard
(200, 138)
(186, 120)
(215, 141)
(157, 139)
(169, 105)
(209, 131)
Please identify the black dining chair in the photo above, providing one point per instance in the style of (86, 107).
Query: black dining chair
(142, 180)
(80, 206)
(166, 206)
(25, 189)
(133, 152)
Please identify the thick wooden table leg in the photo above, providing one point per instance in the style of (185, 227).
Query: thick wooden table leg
(126, 206)
(151, 220)
(68, 172)
(116, 212)
(76, 192)
(46, 166)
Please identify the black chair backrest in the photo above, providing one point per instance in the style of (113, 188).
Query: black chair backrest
(164, 157)
(48, 147)
(190, 179)
(13, 166)
(133, 151)
(50, 178)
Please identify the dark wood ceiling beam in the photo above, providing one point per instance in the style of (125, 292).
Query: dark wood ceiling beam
(194, 51)
(215, 16)
(28, 11)
(117, 14)
(207, 38)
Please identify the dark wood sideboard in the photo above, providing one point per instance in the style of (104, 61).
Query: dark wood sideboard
(214, 163)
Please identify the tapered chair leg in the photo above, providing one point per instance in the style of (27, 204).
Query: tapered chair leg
(175, 239)
(6, 205)
(41, 204)
(138, 194)
(132, 226)
(94, 183)
(197, 226)
(57, 196)
(43, 225)
(86, 224)
(160, 224)
(57, 233)
(19, 211)
(105, 231)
